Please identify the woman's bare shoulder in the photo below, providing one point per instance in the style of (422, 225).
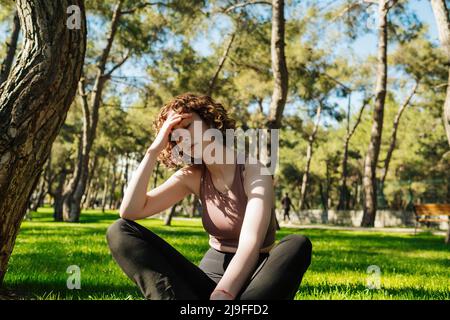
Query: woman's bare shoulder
(191, 170)
(257, 182)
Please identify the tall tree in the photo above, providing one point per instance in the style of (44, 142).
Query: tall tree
(77, 186)
(34, 102)
(279, 66)
(370, 163)
(279, 70)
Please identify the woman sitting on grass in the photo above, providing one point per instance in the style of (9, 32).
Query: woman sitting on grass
(243, 261)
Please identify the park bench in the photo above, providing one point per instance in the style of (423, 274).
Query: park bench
(431, 213)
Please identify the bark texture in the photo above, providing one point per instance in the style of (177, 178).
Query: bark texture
(279, 67)
(34, 102)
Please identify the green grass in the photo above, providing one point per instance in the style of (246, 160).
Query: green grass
(412, 267)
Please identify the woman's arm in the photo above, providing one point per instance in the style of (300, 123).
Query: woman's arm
(254, 228)
(137, 203)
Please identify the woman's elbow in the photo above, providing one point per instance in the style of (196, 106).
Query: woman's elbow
(132, 212)
(125, 213)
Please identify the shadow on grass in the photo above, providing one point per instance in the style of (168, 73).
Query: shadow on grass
(87, 216)
(379, 240)
(358, 260)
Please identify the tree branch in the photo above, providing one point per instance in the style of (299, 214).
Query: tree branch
(248, 65)
(224, 57)
(244, 4)
(118, 65)
(84, 100)
(358, 119)
(345, 10)
(142, 6)
(389, 7)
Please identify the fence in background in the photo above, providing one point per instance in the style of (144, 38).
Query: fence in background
(384, 218)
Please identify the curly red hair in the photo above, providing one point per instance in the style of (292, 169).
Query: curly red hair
(210, 111)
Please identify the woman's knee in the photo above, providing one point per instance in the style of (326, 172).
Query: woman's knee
(299, 245)
(115, 233)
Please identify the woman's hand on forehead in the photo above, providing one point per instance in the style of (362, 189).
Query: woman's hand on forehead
(184, 122)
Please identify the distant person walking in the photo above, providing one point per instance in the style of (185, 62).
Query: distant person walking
(286, 203)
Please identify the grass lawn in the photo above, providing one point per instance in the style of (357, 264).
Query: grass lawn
(412, 267)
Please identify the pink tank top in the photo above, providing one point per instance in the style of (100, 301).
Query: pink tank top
(223, 213)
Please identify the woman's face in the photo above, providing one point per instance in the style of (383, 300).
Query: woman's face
(192, 140)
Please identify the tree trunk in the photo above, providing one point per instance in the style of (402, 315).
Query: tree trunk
(11, 52)
(41, 190)
(125, 177)
(73, 182)
(93, 199)
(344, 193)
(279, 67)
(84, 201)
(58, 196)
(112, 196)
(94, 186)
(155, 177)
(87, 198)
(356, 197)
(33, 106)
(50, 175)
(280, 77)
(194, 206)
(327, 190)
(168, 218)
(323, 197)
(105, 188)
(370, 165)
(309, 154)
(90, 119)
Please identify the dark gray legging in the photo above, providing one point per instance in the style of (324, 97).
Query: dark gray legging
(163, 273)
